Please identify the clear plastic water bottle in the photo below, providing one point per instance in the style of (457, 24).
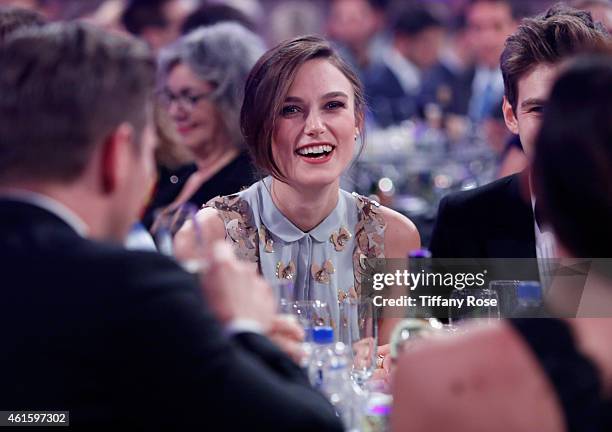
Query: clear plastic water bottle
(337, 383)
(330, 372)
(419, 261)
(322, 351)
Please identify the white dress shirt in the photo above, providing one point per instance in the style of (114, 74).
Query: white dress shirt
(407, 74)
(485, 81)
(545, 249)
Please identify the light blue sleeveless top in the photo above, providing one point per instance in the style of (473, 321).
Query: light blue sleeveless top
(324, 263)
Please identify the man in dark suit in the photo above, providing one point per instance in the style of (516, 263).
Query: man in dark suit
(118, 338)
(463, 89)
(392, 85)
(497, 220)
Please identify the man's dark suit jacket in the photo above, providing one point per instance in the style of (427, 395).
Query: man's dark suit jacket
(122, 338)
(388, 101)
(492, 221)
(449, 89)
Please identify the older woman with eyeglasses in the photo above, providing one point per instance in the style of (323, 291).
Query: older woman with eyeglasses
(202, 79)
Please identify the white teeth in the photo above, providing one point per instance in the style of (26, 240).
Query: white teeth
(315, 149)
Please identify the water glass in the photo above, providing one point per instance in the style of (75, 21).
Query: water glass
(479, 305)
(311, 314)
(358, 329)
(285, 294)
(506, 291)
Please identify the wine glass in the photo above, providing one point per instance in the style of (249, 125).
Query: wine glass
(358, 329)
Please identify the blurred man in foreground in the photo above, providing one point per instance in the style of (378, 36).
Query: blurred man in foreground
(117, 337)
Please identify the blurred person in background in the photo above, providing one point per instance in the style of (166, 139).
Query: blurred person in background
(448, 85)
(209, 14)
(548, 375)
(252, 9)
(202, 80)
(475, 91)
(118, 338)
(107, 15)
(22, 4)
(290, 19)
(601, 10)
(158, 22)
(497, 220)
(356, 27)
(489, 23)
(13, 19)
(170, 155)
(505, 144)
(392, 86)
(512, 159)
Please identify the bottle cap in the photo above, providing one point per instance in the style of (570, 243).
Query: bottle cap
(420, 253)
(322, 335)
(529, 290)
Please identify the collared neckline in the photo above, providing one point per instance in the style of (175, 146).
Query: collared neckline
(283, 228)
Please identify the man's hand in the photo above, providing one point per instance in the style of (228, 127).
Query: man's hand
(234, 290)
(288, 335)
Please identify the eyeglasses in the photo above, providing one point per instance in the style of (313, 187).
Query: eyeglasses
(185, 100)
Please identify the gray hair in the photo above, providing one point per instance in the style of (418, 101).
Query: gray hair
(222, 54)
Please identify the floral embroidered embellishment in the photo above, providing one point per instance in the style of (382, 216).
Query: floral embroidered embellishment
(266, 239)
(369, 239)
(351, 293)
(285, 271)
(340, 239)
(321, 274)
(239, 225)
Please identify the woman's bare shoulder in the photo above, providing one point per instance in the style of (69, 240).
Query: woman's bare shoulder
(487, 379)
(401, 234)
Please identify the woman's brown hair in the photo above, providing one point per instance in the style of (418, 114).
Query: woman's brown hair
(267, 87)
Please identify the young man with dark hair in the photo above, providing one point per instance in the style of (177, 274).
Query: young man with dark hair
(497, 220)
(118, 338)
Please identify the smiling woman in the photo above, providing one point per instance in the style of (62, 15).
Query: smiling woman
(301, 117)
(201, 79)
